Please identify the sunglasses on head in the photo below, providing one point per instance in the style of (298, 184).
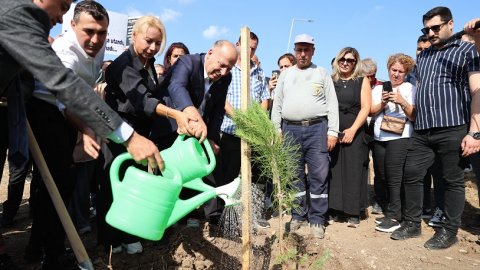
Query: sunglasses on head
(434, 28)
(348, 60)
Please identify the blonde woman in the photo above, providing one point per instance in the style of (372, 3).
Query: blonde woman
(349, 159)
(132, 91)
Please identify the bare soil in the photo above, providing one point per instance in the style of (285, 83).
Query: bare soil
(206, 247)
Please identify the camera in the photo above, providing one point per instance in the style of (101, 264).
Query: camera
(275, 73)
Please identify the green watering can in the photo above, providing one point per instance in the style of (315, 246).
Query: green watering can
(145, 204)
(188, 156)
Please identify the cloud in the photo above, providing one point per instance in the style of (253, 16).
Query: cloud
(169, 15)
(132, 12)
(214, 31)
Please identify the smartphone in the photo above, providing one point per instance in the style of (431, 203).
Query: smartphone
(275, 73)
(387, 86)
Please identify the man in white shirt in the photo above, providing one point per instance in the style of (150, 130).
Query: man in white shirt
(82, 51)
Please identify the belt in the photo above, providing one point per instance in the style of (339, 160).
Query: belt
(306, 122)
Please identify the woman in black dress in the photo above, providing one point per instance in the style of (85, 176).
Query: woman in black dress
(349, 164)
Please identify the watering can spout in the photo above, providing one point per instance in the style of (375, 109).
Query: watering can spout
(183, 207)
(226, 192)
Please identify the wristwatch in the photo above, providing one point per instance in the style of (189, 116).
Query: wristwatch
(474, 134)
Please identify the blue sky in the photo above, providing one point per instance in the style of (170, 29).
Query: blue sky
(376, 28)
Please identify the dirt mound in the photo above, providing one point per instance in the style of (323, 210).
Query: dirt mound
(211, 247)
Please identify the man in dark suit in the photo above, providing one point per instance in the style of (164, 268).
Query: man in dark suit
(197, 85)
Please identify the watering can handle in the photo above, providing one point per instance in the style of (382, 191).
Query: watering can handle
(115, 167)
(211, 155)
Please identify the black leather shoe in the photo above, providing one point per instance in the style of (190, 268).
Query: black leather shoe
(409, 229)
(442, 239)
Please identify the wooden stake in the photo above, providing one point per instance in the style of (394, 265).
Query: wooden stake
(72, 235)
(245, 151)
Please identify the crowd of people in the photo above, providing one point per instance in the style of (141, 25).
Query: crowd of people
(421, 124)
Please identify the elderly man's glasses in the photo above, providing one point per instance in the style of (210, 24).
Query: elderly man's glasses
(348, 60)
(434, 28)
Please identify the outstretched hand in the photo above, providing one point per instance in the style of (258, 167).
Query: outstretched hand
(144, 151)
(90, 145)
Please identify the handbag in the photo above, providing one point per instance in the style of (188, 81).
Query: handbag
(393, 124)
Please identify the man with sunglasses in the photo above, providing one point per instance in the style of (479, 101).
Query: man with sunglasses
(447, 126)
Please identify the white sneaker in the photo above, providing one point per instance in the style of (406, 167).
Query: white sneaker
(133, 248)
(437, 219)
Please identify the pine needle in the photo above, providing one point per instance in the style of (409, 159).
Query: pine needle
(276, 156)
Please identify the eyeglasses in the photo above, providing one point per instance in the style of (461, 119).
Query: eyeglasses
(348, 60)
(434, 28)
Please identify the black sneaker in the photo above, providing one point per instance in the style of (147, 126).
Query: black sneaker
(6, 263)
(408, 229)
(427, 213)
(379, 220)
(438, 218)
(377, 209)
(442, 239)
(353, 222)
(388, 225)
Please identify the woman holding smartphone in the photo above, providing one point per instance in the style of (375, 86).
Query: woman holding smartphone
(285, 61)
(393, 99)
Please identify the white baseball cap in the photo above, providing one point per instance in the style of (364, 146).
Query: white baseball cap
(304, 38)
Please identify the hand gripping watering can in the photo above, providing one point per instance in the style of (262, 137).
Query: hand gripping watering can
(188, 156)
(145, 205)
